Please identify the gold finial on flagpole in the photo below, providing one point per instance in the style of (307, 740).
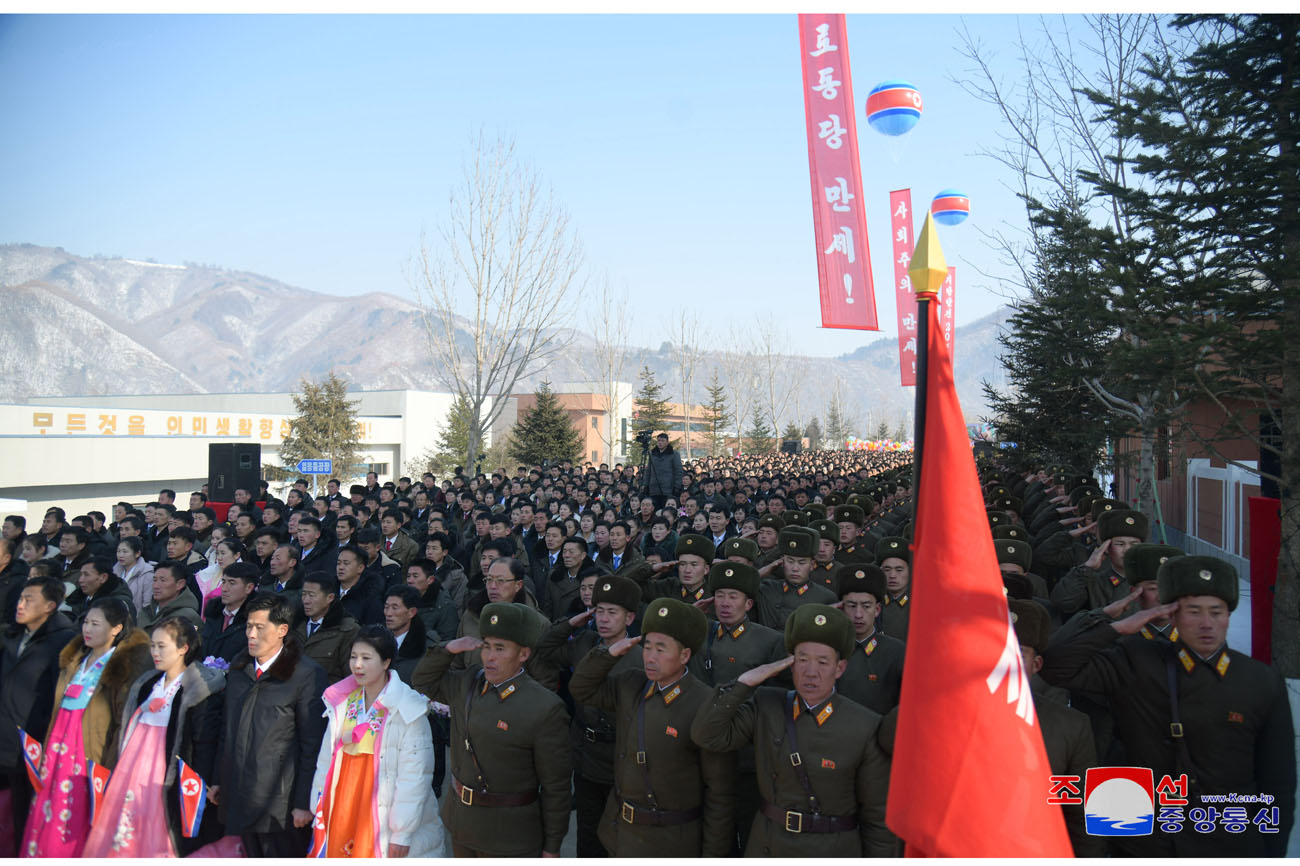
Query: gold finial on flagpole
(928, 269)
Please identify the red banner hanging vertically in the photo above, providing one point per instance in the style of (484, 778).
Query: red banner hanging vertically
(900, 232)
(848, 299)
(948, 306)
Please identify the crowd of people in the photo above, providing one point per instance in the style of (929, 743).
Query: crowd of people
(698, 659)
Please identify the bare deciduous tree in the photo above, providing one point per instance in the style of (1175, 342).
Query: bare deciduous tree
(777, 370)
(495, 296)
(737, 365)
(685, 342)
(608, 323)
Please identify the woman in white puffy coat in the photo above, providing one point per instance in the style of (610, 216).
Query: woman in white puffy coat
(371, 792)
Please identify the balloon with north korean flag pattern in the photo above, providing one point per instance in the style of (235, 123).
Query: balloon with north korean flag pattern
(893, 107)
(950, 207)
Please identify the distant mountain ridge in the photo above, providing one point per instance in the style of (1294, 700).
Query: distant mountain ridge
(77, 325)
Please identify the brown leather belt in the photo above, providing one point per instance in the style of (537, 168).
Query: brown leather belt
(635, 813)
(471, 797)
(804, 822)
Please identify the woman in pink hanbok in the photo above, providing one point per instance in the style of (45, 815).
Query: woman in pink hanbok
(172, 711)
(97, 669)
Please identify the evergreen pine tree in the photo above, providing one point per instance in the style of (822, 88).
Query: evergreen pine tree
(758, 438)
(837, 429)
(545, 433)
(717, 415)
(814, 433)
(1217, 202)
(882, 430)
(325, 427)
(650, 409)
(791, 433)
(1061, 329)
(452, 443)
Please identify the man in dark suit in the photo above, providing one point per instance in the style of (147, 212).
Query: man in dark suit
(316, 556)
(270, 736)
(224, 617)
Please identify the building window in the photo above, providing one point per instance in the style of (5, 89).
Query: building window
(377, 468)
(595, 456)
(595, 422)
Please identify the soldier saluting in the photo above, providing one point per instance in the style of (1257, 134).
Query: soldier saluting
(1192, 706)
(821, 774)
(614, 605)
(670, 798)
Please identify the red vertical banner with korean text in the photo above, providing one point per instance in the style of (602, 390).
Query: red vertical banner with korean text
(900, 232)
(848, 299)
(948, 306)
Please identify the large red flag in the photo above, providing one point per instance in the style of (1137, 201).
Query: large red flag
(970, 776)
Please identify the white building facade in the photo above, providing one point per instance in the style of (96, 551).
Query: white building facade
(86, 453)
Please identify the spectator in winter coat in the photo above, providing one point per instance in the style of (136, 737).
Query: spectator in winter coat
(271, 734)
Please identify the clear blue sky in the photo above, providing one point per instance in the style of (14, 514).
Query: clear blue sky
(314, 149)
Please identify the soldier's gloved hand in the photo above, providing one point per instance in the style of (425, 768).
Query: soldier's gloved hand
(620, 647)
(580, 619)
(465, 644)
(1133, 624)
(1094, 561)
(755, 676)
(1116, 609)
(664, 566)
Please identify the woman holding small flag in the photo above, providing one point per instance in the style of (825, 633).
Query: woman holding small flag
(96, 670)
(170, 724)
(371, 788)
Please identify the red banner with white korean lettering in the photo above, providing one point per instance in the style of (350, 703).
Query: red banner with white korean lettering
(948, 306)
(900, 232)
(848, 299)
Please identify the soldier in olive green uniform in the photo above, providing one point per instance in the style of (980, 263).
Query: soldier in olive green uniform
(1196, 707)
(850, 518)
(740, 549)
(769, 529)
(822, 776)
(1141, 565)
(694, 555)
(825, 568)
(1100, 580)
(670, 797)
(1014, 556)
(614, 604)
(777, 599)
(874, 677)
(894, 556)
(510, 761)
(1067, 734)
(735, 644)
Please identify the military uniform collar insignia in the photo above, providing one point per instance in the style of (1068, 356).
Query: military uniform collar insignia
(870, 646)
(798, 590)
(735, 632)
(827, 710)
